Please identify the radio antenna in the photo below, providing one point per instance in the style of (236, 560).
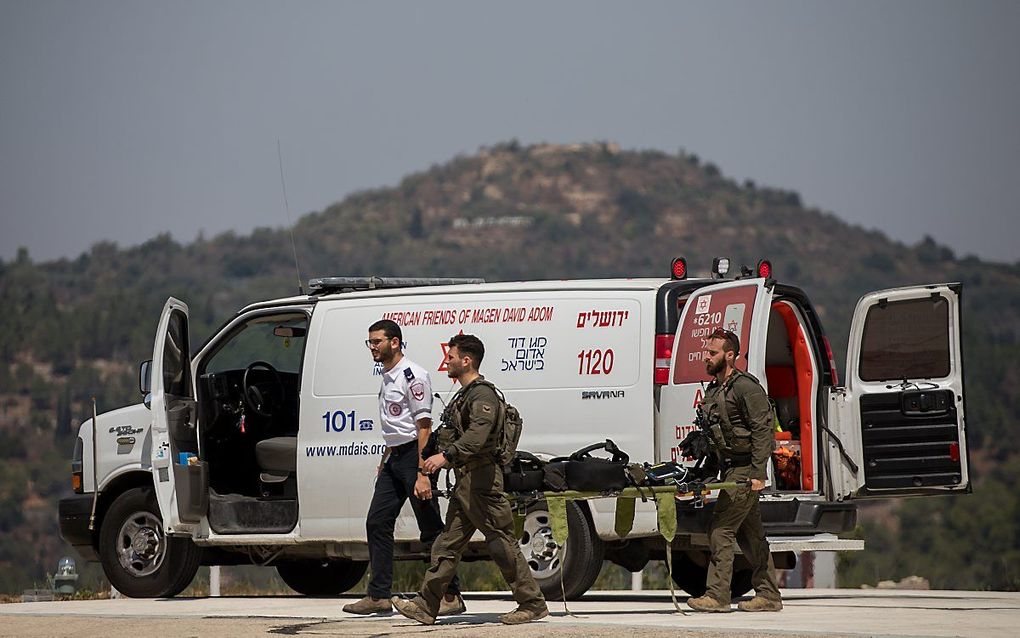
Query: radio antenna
(290, 224)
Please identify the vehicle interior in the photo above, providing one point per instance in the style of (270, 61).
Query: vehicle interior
(792, 373)
(248, 387)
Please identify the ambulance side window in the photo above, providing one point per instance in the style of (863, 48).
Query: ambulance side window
(906, 339)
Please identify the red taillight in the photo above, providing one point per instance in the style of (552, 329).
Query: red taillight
(765, 268)
(954, 452)
(663, 357)
(832, 361)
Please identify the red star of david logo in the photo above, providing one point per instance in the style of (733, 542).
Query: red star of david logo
(446, 349)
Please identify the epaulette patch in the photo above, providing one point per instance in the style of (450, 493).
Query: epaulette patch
(408, 374)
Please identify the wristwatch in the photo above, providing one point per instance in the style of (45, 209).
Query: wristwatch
(422, 471)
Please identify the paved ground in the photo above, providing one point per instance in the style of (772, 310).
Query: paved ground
(826, 612)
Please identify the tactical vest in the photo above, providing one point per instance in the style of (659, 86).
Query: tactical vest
(455, 417)
(727, 424)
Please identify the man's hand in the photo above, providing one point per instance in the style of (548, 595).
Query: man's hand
(435, 462)
(423, 487)
(757, 485)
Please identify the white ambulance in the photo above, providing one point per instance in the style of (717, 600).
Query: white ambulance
(260, 447)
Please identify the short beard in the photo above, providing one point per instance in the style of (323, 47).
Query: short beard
(713, 369)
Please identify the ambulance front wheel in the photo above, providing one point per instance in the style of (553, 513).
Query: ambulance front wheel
(322, 577)
(578, 561)
(139, 559)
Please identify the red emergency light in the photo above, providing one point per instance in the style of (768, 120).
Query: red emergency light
(764, 268)
(678, 270)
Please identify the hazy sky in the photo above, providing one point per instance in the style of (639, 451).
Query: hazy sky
(123, 119)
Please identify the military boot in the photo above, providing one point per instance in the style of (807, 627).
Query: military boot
(411, 609)
(760, 603)
(453, 607)
(369, 605)
(523, 615)
(707, 603)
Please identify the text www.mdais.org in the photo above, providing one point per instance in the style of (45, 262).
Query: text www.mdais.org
(352, 449)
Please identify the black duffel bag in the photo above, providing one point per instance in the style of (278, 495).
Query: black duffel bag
(586, 473)
(524, 473)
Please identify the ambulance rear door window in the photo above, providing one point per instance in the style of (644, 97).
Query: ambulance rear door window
(906, 339)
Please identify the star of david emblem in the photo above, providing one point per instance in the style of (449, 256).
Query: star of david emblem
(446, 349)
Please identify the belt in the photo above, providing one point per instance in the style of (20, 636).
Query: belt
(738, 460)
(403, 447)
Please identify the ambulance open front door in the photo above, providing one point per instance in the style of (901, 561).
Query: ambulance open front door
(902, 410)
(180, 478)
(740, 306)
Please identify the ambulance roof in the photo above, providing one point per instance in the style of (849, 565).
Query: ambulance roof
(470, 288)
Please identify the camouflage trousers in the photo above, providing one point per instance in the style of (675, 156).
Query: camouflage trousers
(478, 504)
(737, 520)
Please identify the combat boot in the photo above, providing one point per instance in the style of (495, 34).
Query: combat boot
(369, 605)
(760, 603)
(707, 603)
(453, 607)
(411, 609)
(523, 615)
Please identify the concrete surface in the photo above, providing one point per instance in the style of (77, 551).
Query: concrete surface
(815, 612)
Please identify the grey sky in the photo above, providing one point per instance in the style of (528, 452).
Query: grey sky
(120, 120)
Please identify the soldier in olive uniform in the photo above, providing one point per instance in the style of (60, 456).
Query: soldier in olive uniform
(467, 443)
(740, 419)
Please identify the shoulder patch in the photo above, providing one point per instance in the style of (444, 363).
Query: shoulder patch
(408, 373)
(486, 408)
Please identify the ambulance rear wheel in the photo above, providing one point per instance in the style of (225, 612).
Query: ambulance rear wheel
(139, 559)
(578, 560)
(322, 577)
(690, 573)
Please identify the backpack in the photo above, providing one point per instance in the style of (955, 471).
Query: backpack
(509, 426)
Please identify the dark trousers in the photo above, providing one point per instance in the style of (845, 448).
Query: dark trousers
(478, 504)
(393, 487)
(737, 520)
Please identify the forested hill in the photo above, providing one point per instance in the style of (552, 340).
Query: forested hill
(72, 329)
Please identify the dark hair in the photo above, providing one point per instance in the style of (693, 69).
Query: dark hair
(469, 345)
(731, 343)
(389, 327)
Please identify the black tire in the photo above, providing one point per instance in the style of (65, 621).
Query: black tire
(690, 573)
(322, 577)
(139, 559)
(579, 560)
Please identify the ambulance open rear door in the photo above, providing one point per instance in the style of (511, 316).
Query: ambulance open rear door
(901, 415)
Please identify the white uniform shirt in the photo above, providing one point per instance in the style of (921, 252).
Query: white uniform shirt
(405, 397)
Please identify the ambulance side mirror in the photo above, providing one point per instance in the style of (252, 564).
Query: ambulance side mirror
(145, 377)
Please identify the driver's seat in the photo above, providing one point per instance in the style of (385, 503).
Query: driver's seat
(276, 458)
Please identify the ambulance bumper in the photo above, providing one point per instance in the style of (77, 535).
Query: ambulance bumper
(74, 514)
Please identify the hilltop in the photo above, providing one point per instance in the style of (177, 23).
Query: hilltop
(76, 328)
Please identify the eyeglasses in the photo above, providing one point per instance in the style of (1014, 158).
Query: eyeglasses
(374, 343)
(721, 333)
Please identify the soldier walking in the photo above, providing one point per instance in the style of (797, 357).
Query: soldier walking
(405, 411)
(740, 419)
(468, 444)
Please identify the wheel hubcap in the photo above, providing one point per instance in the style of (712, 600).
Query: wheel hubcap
(541, 552)
(141, 544)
